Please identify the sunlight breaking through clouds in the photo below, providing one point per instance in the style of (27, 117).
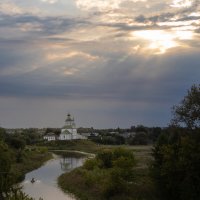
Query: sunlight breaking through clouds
(61, 56)
(69, 72)
(103, 5)
(160, 40)
(181, 3)
(100, 5)
(50, 1)
(103, 52)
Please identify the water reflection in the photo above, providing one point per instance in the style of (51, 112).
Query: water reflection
(68, 163)
(45, 184)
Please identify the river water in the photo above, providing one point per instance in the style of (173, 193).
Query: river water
(45, 185)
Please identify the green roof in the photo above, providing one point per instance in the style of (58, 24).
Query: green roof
(67, 127)
(66, 131)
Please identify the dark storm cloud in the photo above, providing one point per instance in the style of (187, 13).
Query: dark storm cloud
(152, 85)
(17, 55)
(114, 79)
(127, 28)
(119, 82)
(156, 18)
(181, 15)
(189, 18)
(47, 25)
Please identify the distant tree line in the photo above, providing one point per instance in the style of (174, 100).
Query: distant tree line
(139, 135)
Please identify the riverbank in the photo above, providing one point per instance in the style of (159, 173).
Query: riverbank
(31, 158)
(73, 145)
(45, 186)
(72, 153)
(92, 181)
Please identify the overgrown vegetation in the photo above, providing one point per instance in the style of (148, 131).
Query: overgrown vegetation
(111, 175)
(77, 145)
(16, 193)
(16, 160)
(176, 165)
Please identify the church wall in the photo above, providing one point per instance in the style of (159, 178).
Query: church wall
(65, 136)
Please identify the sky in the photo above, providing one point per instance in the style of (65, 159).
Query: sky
(110, 63)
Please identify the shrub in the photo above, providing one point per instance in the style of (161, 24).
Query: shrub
(90, 164)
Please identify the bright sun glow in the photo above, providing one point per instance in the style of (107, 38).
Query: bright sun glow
(181, 3)
(160, 41)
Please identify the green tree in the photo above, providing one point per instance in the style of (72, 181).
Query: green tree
(176, 166)
(188, 111)
(140, 138)
(2, 133)
(121, 171)
(17, 194)
(176, 155)
(5, 167)
(17, 143)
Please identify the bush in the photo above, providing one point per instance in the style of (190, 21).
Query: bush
(104, 158)
(91, 164)
(108, 175)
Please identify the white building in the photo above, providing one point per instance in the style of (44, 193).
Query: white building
(50, 137)
(69, 131)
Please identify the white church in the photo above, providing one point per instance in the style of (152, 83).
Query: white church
(68, 131)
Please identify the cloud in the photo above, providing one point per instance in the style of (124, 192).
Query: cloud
(107, 60)
(174, 15)
(104, 5)
(10, 8)
(181, 3)
(154, 19)
(117, 79)
(36, 26)
(99, 5)
(66, 55)
(50, 1)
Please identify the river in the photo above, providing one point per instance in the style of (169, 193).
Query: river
(45, 185)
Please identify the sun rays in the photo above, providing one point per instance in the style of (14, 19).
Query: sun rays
(159, 41)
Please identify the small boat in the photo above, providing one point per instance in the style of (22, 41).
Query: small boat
(32, 180)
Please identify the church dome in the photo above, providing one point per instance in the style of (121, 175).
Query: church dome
(69, 118)
(69, 122)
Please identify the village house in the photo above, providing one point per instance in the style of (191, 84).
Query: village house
(50, 137)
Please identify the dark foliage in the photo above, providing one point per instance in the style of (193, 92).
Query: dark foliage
(176, 164)
(188, 111)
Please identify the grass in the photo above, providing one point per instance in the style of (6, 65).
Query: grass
(76, 182)
(142, 153)
(74, 145)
